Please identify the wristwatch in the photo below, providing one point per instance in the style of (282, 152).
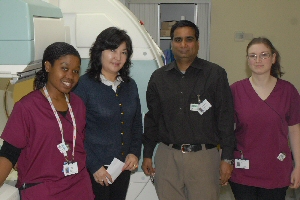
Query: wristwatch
(231, 162)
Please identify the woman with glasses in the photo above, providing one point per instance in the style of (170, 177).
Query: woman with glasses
(267, 117)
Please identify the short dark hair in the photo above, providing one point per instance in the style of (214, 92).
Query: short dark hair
(110, 38)
(52, 53)
(185, 23)
(276, 67)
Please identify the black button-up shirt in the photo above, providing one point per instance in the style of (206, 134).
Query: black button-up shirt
(170, 120)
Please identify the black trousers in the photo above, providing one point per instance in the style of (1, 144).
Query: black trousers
(115, 191)
(244, 192)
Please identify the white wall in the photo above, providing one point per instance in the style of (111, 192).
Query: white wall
(276, 19)
(8, 105)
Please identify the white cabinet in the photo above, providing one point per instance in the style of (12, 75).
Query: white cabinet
(174, 12)
(153, 12)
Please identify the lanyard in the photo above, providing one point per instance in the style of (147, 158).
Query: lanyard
(59, 122)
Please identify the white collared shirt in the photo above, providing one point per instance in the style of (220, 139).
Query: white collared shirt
(113, 84)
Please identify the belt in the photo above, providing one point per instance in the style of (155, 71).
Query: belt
(185, 148)
(27, 185)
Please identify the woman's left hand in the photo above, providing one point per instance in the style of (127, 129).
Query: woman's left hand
(294, 138)
(295, 178)
(131, 163)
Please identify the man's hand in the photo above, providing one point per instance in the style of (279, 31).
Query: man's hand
(147, 167)
(225, 172)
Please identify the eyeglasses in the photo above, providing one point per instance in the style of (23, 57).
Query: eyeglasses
(261, 56)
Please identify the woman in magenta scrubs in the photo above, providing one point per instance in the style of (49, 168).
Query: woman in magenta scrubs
(44, 134)
(267, 117)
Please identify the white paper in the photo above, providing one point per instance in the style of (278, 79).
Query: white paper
(115, 169)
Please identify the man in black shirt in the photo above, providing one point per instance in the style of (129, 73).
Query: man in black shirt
(190, 113)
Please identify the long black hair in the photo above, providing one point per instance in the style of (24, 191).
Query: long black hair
(110, 38)
(52, 53)
(276, 67)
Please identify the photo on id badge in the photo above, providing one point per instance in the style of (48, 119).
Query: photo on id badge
(242, 163)
(67, 170)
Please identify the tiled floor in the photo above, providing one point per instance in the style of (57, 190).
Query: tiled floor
(291, 194)
(226, 193)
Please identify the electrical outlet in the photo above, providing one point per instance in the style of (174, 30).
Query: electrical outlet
(239, 36)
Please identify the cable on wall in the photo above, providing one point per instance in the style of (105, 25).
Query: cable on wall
(5, 99)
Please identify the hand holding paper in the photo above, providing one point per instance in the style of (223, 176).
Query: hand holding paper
(115, 169)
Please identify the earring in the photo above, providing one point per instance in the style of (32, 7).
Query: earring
(45, 66)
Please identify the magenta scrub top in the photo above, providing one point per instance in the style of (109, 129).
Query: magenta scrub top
(33, 127)
(262, 133)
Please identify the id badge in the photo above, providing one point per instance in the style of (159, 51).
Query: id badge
(194, 107)
(203, 107)
(73, 168)
(62, 147)
(241, 164)
(281, 156)
(66, 169)
(70, 168)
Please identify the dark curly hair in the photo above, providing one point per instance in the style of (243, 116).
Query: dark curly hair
(110, 38)
(52, 53)
(276, 67)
